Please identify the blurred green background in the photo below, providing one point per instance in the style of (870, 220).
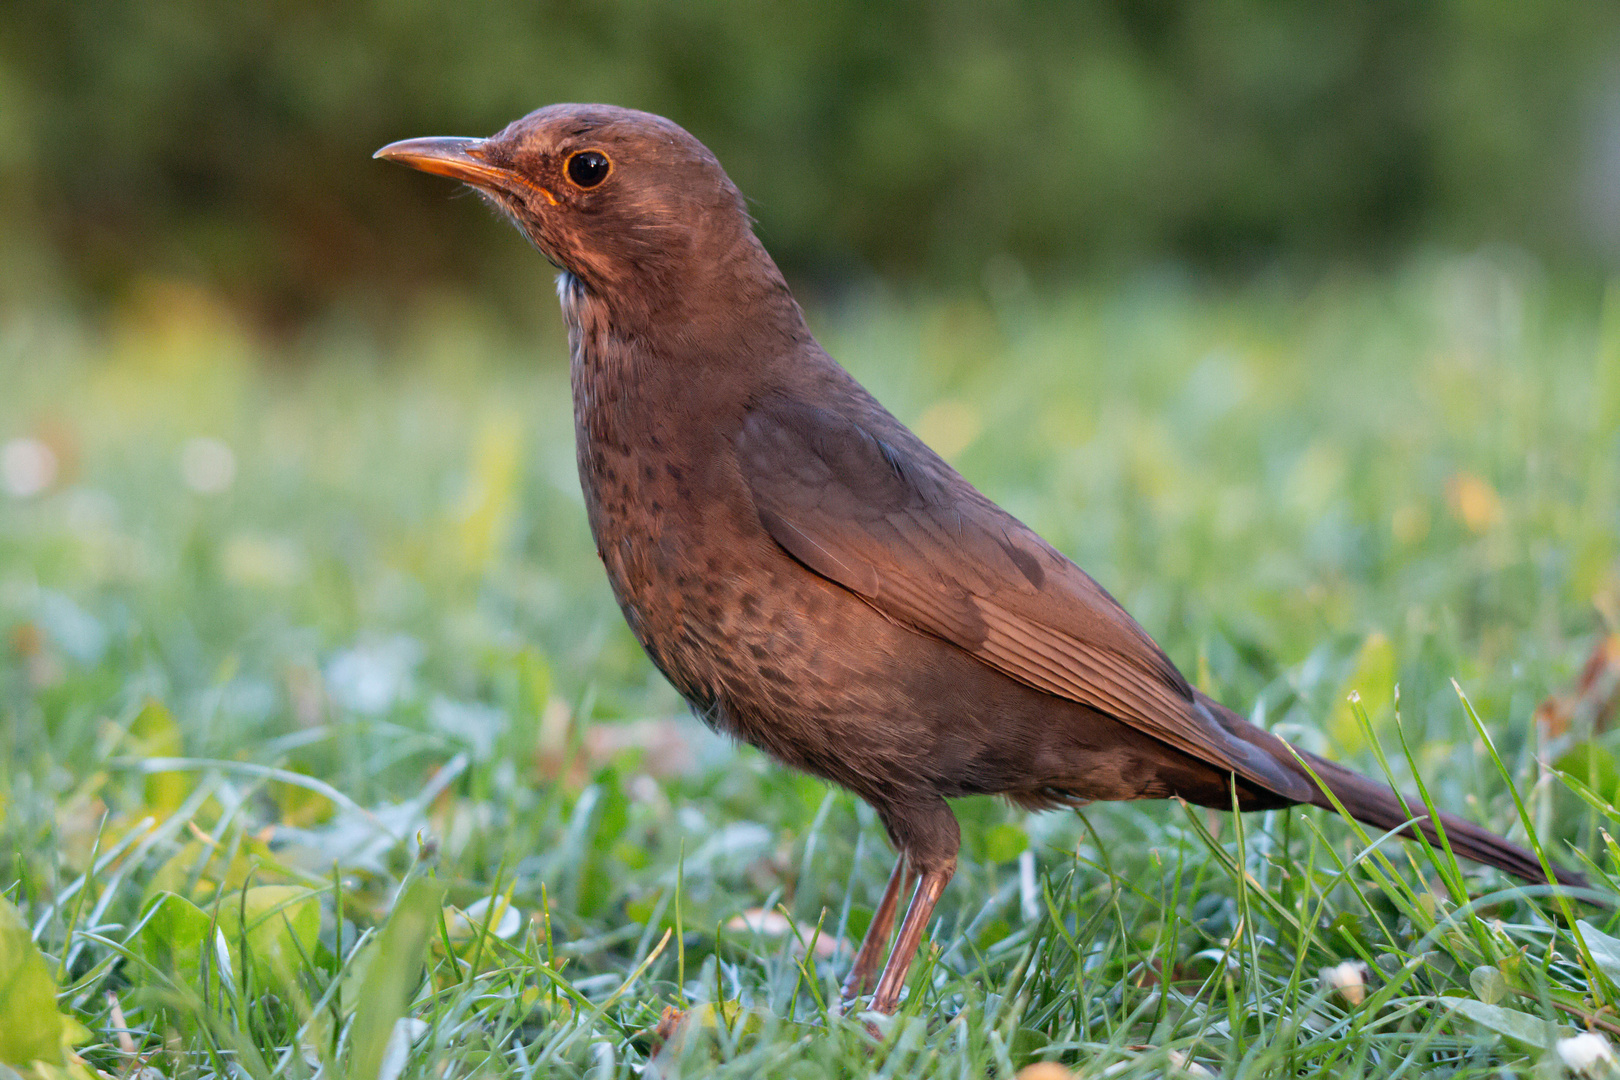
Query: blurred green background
(917, 142)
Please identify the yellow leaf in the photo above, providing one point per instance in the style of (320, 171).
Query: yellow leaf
(200, 868)
(276, 925)
(950, 427)
(1473, 501)
(483, 516)
(1373, 680)
(159, 736)
(298, 805)
(32, 1028)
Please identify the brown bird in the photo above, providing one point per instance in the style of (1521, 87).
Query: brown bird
(813, 578)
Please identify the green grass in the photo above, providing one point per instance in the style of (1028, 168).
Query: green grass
(262, 744)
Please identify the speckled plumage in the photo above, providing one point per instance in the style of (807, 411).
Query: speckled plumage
(811, 576)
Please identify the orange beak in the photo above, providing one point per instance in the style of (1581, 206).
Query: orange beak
(459, 159)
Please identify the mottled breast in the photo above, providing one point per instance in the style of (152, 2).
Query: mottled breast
(737, 625)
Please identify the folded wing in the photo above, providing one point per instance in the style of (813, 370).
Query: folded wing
(920, 544)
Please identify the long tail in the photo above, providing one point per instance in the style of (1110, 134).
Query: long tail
(1376, 805)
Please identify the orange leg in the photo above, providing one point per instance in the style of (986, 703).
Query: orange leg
(865, 969)
(887, 997)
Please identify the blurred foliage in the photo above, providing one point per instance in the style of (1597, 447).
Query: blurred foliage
(230, 143)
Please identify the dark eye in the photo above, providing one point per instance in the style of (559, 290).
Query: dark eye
(588, 168)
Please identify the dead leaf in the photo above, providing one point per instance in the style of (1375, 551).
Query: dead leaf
(1594, 697)
(1349, 979)
(1473, 502)
(668, 1024)
(1044, 1070)
(772, 923)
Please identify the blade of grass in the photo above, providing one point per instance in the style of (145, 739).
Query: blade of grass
(1561, 898)
(394, 974)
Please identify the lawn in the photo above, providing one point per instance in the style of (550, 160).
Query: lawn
(327, 749)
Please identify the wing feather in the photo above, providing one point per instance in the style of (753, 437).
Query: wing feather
(907, 534)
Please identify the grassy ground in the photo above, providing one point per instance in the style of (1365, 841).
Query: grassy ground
(321, 729)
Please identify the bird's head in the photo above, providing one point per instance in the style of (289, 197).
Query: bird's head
(628, 203)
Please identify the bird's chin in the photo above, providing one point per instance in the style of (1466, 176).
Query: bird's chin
(500, 202)
(519, 216)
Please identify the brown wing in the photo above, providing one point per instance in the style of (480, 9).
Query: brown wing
(921, 545)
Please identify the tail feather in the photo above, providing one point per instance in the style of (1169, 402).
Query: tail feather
(1376, 805)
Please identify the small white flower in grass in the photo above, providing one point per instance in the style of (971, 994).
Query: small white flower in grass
(374, 676)
(472, 723)
(222, 956)
(1488, 984)
(1180, 1065)
(1029, 890)
(27, 467)
(1349, 978)
(407, 1030)
(1587, 1054)
(644, 789)
(502, 919)
(1186, 1065)
(207, 465)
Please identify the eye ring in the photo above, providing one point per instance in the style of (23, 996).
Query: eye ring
(587, 168)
